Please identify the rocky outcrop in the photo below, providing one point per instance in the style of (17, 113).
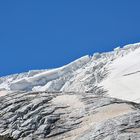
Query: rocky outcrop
(48, 115)
(6, 138)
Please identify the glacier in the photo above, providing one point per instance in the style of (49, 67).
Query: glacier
(85, 74)
(93, 98)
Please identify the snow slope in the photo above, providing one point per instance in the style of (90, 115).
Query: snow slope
(124, 79)
(117, 72)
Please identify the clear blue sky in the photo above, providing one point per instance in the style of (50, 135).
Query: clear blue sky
(39, 34)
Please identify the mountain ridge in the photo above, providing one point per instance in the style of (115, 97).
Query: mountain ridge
(83, 74)
(79, 101)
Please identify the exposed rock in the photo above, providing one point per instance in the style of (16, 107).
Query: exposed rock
(5, 138)
(40, 115)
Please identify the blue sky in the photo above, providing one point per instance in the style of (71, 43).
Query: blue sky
(39, 34)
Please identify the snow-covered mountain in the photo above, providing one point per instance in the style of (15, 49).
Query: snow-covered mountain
(93, 98)
(117, 71)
